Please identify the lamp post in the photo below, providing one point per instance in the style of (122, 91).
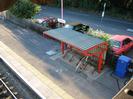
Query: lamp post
(62, 10)
(61, 20)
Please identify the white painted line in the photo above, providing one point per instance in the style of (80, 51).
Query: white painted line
(130, 30)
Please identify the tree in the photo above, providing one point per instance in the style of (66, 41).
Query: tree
(24, 9)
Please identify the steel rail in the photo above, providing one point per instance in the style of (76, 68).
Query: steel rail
(8, 89)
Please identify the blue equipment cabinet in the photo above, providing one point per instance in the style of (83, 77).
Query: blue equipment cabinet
(122, 66)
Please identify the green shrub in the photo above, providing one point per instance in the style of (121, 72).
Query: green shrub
(99, 34)
(24, 9)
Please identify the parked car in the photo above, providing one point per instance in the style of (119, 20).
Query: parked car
(120, 44)
(49, 22)
(81, 28)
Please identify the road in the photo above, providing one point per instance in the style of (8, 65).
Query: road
(108, 25)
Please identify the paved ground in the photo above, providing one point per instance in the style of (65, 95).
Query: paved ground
(32, 47)
(109, 25)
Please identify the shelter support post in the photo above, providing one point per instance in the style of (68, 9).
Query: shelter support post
(62, 47)
(100, 63)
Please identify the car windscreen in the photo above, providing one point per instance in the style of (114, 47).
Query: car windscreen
(114, 43)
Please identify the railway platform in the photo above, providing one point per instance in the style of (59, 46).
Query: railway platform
(39, 83)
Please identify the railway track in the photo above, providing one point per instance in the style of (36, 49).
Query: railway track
(6, 90)
(13, 87)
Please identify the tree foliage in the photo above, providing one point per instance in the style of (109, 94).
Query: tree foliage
(127, 4)
(118, 8)
(77, 3)
(24, 9)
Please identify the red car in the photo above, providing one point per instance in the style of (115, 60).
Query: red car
(121, 44)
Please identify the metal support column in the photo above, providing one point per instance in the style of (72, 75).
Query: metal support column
(62, 47)
(100, 63)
